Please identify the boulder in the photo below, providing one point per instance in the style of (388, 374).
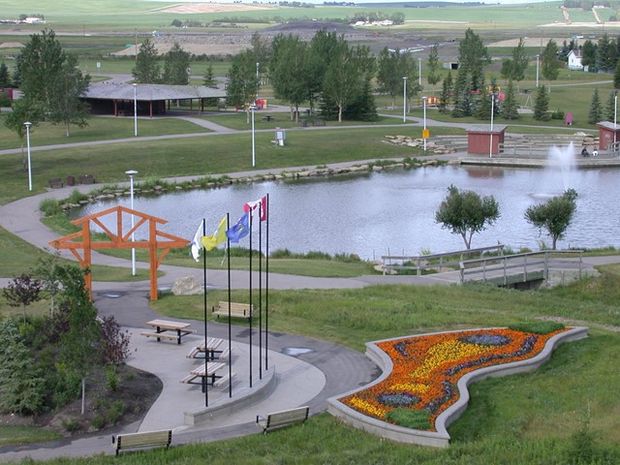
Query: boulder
(186, 286)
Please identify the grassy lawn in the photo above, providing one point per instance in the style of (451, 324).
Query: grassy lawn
(201, 156)
(99, 128)
(18, 435)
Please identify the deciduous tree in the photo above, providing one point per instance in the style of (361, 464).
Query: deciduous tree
(147, 69)
(433, 66)
(22, 291)
(554, 216)
(473, 57)
(5, 78)
(550, 63)
(466, 213)
(176, 66)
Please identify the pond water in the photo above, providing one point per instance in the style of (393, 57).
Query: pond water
(393, 212)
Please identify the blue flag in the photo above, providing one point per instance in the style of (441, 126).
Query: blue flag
(240, 229)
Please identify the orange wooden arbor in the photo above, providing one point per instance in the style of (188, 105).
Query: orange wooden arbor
(82, 240)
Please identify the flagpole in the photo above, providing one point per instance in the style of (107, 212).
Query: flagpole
(268, 214)
(260, 290)
(250, 219)
(204, 284)
(229, 315)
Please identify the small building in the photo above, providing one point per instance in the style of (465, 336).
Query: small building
(608, 133)
(481, 140)
(152, 99)
(574, 60)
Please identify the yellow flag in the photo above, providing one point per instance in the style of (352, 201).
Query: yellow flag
(218, 236)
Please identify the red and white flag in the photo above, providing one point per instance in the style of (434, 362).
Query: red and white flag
(259, 206)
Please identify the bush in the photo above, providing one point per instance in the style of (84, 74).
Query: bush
(76, 197)
(111, 378)
(50, 207)
(98, 422)
(71, 425)
(114, 342)
(116, 411)
(537, 327)
(557, 114)
(416, 419)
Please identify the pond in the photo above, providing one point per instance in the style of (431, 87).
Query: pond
(393, 212)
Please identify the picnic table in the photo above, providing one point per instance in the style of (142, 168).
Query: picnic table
(267, 118)
(207, 373)
(209, 351)
(163, 326)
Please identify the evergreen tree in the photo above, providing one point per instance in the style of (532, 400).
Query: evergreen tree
(610, 108)
(446, 92)
(483, 108)
(5, 79)
(509, 107)
(209, 78)
(541, 105)
(606, 54)
(594, 116)
(22, 388)
(363, 108)
(462, 95)
(519, 61)
(433, 76)
(146, 70)
(176, 66)
(550, 63)
(588, 55)
(473, 56)
(617, 76)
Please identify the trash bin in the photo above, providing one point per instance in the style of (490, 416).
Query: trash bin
(70, 181)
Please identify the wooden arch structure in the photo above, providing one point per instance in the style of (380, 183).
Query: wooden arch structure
(119, 240)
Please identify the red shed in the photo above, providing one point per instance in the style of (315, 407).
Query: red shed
(482, 141)
(606, 132)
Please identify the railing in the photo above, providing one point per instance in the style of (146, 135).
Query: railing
(438, 261)
(504, 269)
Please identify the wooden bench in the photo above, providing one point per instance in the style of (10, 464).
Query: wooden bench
(55, 183)
(147, 439)
(283, 418)
(86, 179)
(237, 310)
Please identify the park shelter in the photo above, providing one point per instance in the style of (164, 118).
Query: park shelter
(481, 140)
(606, 130)
(114, 98)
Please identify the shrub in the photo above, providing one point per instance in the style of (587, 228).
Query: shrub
(50, 207)
(116, 411)
(98, 422)
(416, 419)
(537, 327)
(114, 342)
(557, 114)
(76, 197)
(111, 378)
(71, 425)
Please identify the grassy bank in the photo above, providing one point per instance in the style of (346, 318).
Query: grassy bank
(201, 156)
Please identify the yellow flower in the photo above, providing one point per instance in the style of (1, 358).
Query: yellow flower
(447, 351)
(415, 388)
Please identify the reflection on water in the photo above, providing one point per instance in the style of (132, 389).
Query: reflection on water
(395, 211)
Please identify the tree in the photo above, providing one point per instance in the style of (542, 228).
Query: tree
(509, 107)
(606, 54)
(68, 109)
(446, 93)
(79, 345)
(541, 105)
(515, 68)
(209, 78)
(473, 56)
(617, 76)
(588, 55)
(52, 82)
(483, 109)
(22, 291)
(176, 66)
(387, 73)
(610, 107)
(550, 63)
(462, 95)
(22, 388)
(242, 83)
(5, 78)
(594, 116)
(23, 110)
(554, 216)
(321, 50)
(466, 213)
(288, 70)
(146, 70)
(433, 75)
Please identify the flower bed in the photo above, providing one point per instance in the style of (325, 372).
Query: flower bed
(426, 375)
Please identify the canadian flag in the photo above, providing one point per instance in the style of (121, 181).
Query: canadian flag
(259, 206)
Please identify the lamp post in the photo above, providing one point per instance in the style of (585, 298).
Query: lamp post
(253, 107)
(615, 118)
(135, 109)
(424, 132)
(404, 99)
(131, 174)
(257, 79)
(537, 68)
(28, 124)
(420, 71)
(491, 131)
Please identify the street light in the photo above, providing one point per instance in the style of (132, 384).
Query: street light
(253, 107)
(28, 124)
(615, 118)
(537, 68)
(404, 99)
(424, 132)
(131, 174)
(135, 109)
(491, 132)
(420, 71)
(257, 79)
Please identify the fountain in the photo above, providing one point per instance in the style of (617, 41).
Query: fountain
(564, 159)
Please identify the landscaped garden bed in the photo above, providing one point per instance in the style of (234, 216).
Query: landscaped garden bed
(424, 383)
